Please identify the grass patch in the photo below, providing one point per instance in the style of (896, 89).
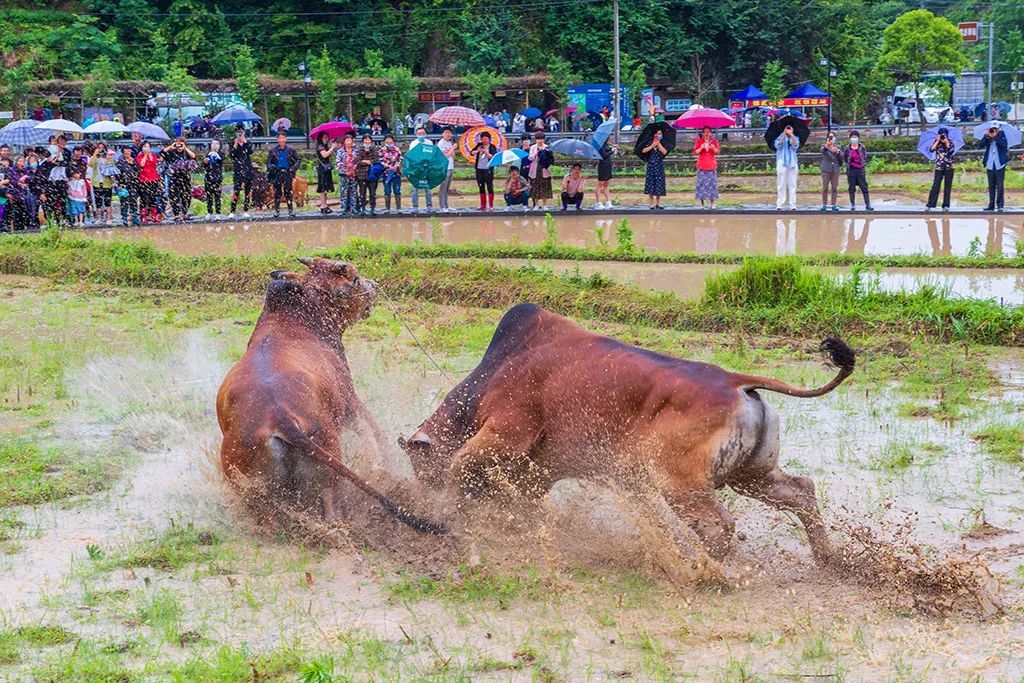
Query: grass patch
(819, 305)
(34, 474)
(33, 635)
(1005, 441)
(176, 547)
(474, 585)
(10, 531)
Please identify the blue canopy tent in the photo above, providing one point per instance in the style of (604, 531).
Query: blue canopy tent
(748, 97)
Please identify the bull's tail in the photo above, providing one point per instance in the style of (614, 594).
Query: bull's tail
(841, 355)
(295, 436)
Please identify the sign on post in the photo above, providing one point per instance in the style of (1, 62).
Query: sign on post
(970, 31)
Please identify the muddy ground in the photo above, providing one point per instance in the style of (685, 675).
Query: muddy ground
(156, 573)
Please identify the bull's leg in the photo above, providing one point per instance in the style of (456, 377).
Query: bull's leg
(711, 521)
(498, 458)
(792, 494)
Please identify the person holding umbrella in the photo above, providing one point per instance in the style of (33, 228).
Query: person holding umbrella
(654, 180)
(787, 168)
(997, 155)
(325, 149)
(831, 160)
(855, 156)
(604, 176)
(943, 149)
(482, 154)
(706, 148)
(541, 158)
(241, 159)
(421, 139)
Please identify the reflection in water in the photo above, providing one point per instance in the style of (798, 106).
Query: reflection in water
(806, 234)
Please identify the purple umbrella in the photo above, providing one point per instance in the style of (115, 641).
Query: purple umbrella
(924, 144)
(148, 130)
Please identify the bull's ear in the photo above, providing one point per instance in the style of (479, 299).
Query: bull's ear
(306, 261)
(346, 270)
(284, 275)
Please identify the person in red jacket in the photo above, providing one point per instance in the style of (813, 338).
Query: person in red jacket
(150, 189)
(706, 148)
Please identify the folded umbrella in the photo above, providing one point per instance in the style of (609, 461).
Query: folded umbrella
(924, 143)
(602, 133)
(531, 112)
(576, 148)
(700, 117)
(668, 138)
(23, 133)
(102, 127)
(236, 115)
(1013, 135)
(61, 125)
(148, 130)
(800, 129)
(425, 166)
(334, 130)
(457, 116)
(508, 156)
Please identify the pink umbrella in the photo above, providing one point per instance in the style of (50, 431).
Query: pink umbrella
(334, 129)
(700, 117)
(457, 116)
(550, 112)
(571, 109)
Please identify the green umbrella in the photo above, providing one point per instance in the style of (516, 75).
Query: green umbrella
(425, 166)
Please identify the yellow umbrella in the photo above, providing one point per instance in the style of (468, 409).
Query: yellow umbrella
(471, 138)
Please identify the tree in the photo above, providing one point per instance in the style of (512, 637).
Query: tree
(181, 85)
(404, 87)
(201, 38)
(773, 82)
(633, 75)
(325, 75)
(561, 76)
(482, 86)
(246, 76)
(918, 41)
(99, 82)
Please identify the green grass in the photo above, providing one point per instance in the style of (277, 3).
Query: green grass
(162, 611)
(33, 636)
(832, 306)
(10, 531)
(178, 546)
(1005, 441)
(34, 474)
(474, 585)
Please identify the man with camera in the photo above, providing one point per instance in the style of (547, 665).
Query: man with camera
(180, 162)
(241, 159)
(282, 163)
(944, 150)
(996, 156)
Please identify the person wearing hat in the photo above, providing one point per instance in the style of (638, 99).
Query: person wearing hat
(996, 156)
(944, 150)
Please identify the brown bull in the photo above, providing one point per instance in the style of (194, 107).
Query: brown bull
(550, 401)
(284, 404)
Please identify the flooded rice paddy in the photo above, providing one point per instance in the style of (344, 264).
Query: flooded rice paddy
(875, 449)
(805, 234)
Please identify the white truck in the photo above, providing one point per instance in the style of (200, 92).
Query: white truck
(936, 106)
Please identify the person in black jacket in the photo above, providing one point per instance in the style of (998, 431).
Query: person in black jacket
(241, 159)
(282, 163)
(995, 159)
(213, 179)
(482, 154)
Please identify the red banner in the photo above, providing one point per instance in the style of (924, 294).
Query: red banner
(440, 96)
(805, 102)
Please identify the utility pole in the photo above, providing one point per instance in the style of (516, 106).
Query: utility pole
(617, 99)
(991, 44)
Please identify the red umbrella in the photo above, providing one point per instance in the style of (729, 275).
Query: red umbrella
(334, 130)
(702, 116)
(571, 109)
(550, 112)
(457, 116)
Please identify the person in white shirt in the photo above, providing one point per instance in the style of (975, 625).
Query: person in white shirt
(446, 146)
(519, 123)
(421, 139)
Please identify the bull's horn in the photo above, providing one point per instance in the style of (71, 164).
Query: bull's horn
(306, 261)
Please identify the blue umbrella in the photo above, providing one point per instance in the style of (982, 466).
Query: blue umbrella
(531, 112)
(928, 137)
(489, 121)
(576, 148)
(24, 133)
(236, 116)
(1013, 135)
(602, 133)
(508, 156)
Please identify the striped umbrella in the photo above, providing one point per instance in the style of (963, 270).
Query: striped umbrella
(24, 133)
(457, 116)
(470, 139)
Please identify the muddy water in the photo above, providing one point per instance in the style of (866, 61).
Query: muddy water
(724, 233)
(1002, 285)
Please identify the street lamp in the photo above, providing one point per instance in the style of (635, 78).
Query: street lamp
(305, 84)
(826, 62)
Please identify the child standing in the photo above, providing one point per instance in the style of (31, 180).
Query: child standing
(78, 193)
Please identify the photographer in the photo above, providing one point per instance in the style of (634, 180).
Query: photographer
(996, 157)
(282, 163)
(241, 158)
(482, 154)
(180, 160)
(944, 150)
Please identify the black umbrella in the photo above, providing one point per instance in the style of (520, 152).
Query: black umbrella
(383, 123)
(668, 138)
(800, 129)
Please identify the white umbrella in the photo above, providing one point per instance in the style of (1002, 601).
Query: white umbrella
(62, 125)
(106, 127)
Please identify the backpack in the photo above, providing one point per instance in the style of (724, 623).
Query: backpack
(375, 172)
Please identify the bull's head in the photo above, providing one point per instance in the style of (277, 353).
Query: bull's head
(331, 293)
(430, 460)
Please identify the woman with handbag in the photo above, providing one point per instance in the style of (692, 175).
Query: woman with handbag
(540, 160)
(325, 149)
